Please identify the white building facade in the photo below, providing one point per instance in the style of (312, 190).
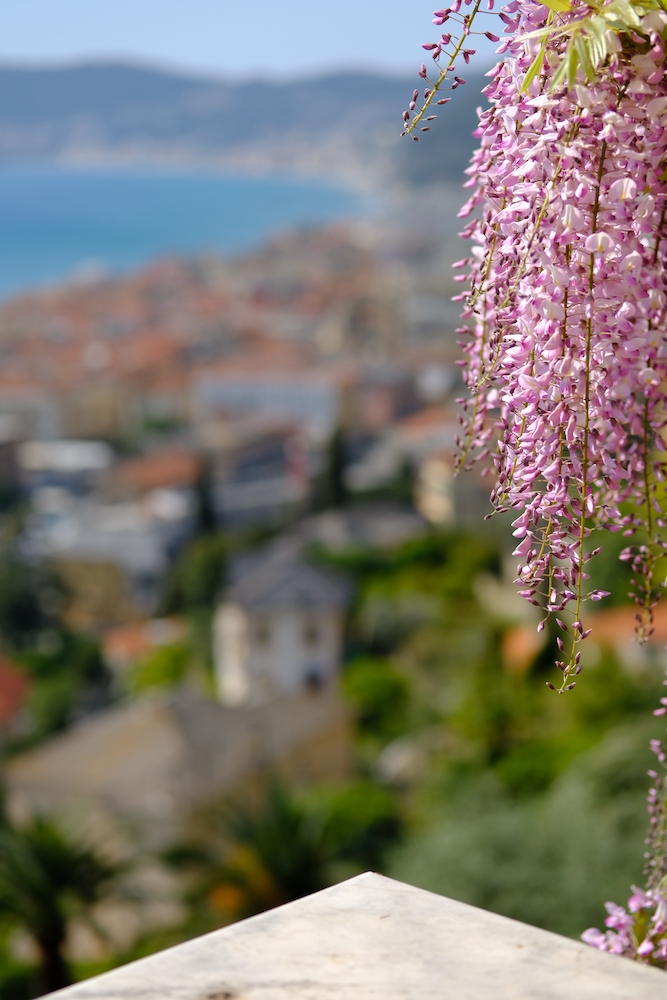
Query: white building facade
(279, 630)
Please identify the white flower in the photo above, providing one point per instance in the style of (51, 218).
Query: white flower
(657, 106)
(639, 86)
(645, 207)
(598, 243)
(573, 218)
(649, 377)
(655, 21)
(551, 309)
(585, 96)
(623, 190)
(631, 264)
(613, 41)
(643, 65)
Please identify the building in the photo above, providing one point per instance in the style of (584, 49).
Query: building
(373, 937)
(75, 466)
(280, 627)
(9, 466)
(166, 469)
(259, 471)
(138, 770)
(133, 778)
(313, 398)
(380, 525)
(35, 411)
(112, 557)
(409, 441)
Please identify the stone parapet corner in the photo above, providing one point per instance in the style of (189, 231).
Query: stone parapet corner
(372, 938)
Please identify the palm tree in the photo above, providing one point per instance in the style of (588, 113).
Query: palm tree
(251, 859)
(248, 859)
(278, 853)
(47, 878)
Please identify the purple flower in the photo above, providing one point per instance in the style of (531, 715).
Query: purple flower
(566, 317)
(595, 938)
(565, 346)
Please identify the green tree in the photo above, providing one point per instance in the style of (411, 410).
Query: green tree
(252, 858)
(68, 677)
(165, 667)
(379, 693)
(206, 516)
(30, 601)
(359, 822)
(198, 576)
(46, 879)
(334, 491)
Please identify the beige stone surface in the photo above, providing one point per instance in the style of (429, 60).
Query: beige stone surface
(375, 939)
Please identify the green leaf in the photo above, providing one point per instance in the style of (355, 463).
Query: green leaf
(573, 62)
(597, 42)
(559, 76)
(587, 43)
(622, 12)
(584, 58)
(535, 68)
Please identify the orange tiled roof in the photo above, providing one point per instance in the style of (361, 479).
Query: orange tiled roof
(14, 685)
(425, 420)
(616, 626)
(162, 469)
(128, 643)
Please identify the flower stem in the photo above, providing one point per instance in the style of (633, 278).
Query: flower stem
(587, 400)
(443, 73)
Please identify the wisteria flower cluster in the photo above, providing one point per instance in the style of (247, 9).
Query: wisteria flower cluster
(565, 326)
(640, 931)
(565, 315)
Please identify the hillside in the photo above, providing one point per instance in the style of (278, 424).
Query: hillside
(344, 124)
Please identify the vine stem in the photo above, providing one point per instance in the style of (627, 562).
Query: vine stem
(652, 557)
(587, 398)
(443, 72)
(473, 420)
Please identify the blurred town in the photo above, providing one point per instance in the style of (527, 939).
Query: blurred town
(251, 622)
(242, 396)
(179, 449)
(256, 636)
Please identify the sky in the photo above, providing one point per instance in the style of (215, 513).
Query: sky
(237, 38)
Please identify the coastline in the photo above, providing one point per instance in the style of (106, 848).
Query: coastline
(58, 219)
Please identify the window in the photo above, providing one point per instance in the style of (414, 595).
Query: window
(261, 631)
(311, 632)
(313, 680)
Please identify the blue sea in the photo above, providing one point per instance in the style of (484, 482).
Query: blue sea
(57, 223)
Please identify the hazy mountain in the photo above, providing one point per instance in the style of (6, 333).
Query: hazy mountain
(345, 124)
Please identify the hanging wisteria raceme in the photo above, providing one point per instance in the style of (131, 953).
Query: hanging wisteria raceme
(565, 331)
(565, 316)
(640, 931)
(455, 41)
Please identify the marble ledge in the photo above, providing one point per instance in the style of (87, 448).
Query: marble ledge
(372, 938)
